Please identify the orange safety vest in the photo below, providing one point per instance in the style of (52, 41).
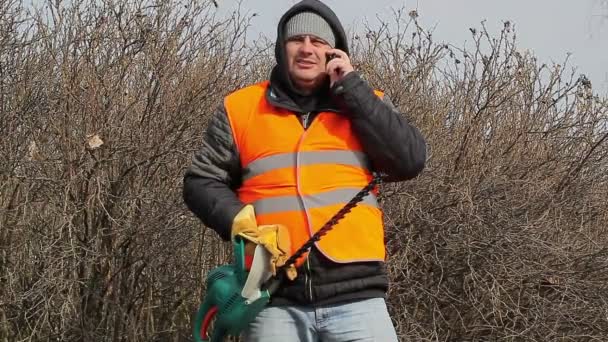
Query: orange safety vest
(301, 178)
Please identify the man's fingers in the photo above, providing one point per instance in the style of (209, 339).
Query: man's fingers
(291, 272)
(339, 54)
(334, 66)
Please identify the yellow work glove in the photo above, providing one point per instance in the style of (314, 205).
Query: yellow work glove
(245, 225)
(275, 238)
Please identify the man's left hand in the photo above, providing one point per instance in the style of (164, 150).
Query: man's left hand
(339, 66)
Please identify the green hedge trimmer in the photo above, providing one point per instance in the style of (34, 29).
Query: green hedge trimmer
(235, 295)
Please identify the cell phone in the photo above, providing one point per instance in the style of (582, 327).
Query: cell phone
(329, 57)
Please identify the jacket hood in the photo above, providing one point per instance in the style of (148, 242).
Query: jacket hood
(280, 74)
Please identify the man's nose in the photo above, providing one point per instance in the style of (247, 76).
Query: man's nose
(306, 45)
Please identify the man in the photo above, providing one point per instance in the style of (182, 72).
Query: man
(279, 158)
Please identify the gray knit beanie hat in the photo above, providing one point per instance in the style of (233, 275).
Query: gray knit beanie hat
(310, 23)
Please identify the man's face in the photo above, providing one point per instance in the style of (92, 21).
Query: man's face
(306, 61)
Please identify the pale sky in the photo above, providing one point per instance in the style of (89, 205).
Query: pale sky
(549, 28)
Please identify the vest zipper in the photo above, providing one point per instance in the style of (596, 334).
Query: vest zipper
(307, 273)
(305, 120)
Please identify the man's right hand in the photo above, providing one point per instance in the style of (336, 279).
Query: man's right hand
(245, 224)
(275, 238)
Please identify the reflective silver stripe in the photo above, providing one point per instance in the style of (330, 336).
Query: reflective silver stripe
(263, 165)
(341, 196)
(344, 157)
(277, 204)
(292, 203)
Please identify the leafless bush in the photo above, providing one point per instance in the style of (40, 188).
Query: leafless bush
(503, 236)
(103, 102)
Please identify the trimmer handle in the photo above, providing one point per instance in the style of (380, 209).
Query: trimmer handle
(203, 318)
(209, 307)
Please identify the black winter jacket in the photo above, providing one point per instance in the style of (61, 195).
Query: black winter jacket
(394, 147)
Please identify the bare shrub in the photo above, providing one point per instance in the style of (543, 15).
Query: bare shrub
(103, 102)
(503, 236)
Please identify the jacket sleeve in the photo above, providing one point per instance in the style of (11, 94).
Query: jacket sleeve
(213, 176)
(396, 148)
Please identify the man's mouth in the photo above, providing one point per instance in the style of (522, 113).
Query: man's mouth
(304, 63)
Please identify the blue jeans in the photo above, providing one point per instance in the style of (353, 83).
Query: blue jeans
(363, 320)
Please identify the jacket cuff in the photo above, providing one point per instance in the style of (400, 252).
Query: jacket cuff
(231, 213)
(355, 94)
